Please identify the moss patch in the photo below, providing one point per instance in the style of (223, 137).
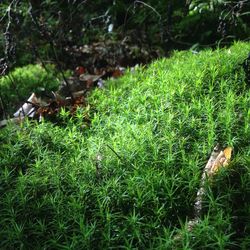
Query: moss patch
(153, 130)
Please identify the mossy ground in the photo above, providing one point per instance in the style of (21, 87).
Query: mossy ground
(154, 130)
(18, 85)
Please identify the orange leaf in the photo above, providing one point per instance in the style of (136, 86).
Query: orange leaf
(221, 160)
(228, 153)
(80, 70)
(117, 73)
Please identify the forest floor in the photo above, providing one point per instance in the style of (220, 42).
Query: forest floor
(122, 170)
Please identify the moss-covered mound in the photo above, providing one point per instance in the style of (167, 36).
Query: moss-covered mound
(129, 180)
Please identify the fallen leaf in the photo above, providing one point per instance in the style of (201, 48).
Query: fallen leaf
(222, 160)
(117, 73)
(88, 77)
(80, 70)
(28, 108)
(228, 152)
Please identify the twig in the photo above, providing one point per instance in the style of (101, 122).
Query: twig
(9, 44)
(219, 158)
(114, 152)
(205, 174)
(149, 6)
(61, 71)
(47, 36)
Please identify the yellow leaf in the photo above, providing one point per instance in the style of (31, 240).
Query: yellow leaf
(222, 160)
(228, 153)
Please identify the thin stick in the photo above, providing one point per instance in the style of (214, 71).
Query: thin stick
(114, 152)
(219, 158)
(149, 6)
(47, 36)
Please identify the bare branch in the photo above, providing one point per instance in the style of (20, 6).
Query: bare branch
(150, 7)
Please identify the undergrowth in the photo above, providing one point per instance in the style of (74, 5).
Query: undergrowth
(129, 179)
(18, 85)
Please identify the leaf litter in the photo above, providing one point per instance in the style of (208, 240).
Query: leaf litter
(70, 95)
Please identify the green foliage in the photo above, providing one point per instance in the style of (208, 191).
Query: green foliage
(200, 5)
(167, 24)
(18, 85)
(215, 21)
(130, 179)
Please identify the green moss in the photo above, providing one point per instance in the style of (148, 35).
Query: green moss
(154, 130)
(17, 86)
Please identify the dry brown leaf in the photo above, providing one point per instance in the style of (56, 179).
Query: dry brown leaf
(222, 160)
